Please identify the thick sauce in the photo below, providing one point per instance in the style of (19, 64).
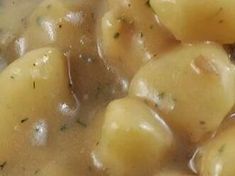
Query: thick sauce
(98, 51)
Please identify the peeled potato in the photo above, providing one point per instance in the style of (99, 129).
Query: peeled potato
(217, 157)
(55, 169)
(195, 20)
(34, 91)
(57, 23)
(115, 39)
(128, 39)
(173, 173)
(134, 139)
(193, 86)
(43, 26)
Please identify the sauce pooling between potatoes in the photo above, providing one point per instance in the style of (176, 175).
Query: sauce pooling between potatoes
(114, 88)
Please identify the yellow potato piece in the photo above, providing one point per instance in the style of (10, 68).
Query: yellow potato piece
(134, 139)
(173, 173)
(217, 156)
(55, 169)
(43, 26)
(34, 89)
(128, 40)
(197, 20)
(58, 24)
(193, 86)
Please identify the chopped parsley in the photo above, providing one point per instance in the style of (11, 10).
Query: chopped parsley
(63, 127)
(36, 171)
(49, 6)
(2, 166)
(81, 123)
(24, 120)
(34, 85)
(39, 20)
(148, 3)
(202, 122)
(221, 149)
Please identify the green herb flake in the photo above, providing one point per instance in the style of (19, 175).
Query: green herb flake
(219, 11)
(39, 20)
(24, 22)
(12, 77)
(202, 122)
(81, 123)
(116, 35)
(89, 168)
(49, 6)
(24, 120)
(161, 95)
(221, 149)
(148, 3)
(2, 166)
(221, 21)
(63, 127)
(36, 171)
(34, 85)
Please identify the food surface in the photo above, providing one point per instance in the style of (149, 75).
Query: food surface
(117, 87)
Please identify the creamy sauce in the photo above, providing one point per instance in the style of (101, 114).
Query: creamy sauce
(99, 69)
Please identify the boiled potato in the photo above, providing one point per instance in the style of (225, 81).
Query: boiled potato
(217, 156)
(55, 169)
(34, 89)
(43, 26)
(128, 39)
(193, 86)
(173, 173)
(17, 13)
(134, 139)
(57, 23)
(115, 40)
(191, 20)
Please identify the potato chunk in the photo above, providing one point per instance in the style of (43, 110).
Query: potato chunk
(193, 86)
(128, 39)
(57, 23)
(217, 157)
(195, 20)
(55, 169)
(33, 91)
(134, 139)
(174, 173)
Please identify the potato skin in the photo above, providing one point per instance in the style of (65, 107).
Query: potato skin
(193, 86)
(134, 139)
(32, 89)
(217, 156)
(191, 20)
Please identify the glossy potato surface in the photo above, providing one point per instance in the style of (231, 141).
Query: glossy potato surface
(134, 139)
(128, 39)
(193, 85)
(32, 90)
(217, 157)
(197, 20)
